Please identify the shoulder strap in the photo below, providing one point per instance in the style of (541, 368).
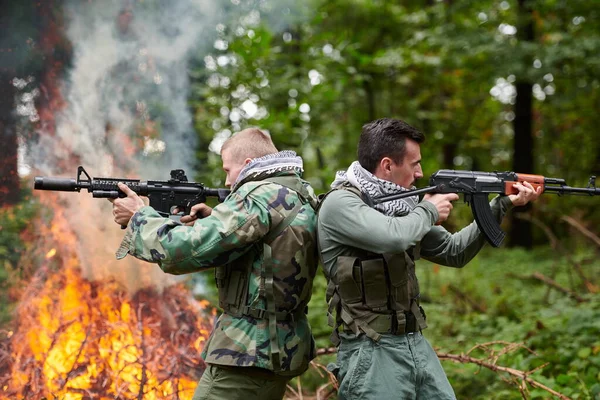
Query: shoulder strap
(351, 188)
(344, 186)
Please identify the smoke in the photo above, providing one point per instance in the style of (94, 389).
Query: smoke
(125, 110)
(125, 113)
(128, 87)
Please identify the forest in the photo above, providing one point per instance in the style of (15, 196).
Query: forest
(136, 88)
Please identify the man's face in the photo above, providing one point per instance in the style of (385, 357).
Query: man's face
(405, 173)
(232, 166)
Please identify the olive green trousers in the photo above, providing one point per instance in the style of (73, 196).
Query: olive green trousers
(398, 367)
(239, 383)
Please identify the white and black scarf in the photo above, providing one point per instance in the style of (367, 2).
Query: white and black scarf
(286, 160)
(374, 187)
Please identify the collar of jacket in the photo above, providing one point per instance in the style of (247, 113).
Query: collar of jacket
(264, 175)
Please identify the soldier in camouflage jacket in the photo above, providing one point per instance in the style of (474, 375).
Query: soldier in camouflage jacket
(261, 240)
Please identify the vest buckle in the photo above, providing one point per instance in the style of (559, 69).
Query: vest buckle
(257, 313)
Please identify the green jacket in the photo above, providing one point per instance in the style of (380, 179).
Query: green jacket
(234, 234)
(349, 227)
(373, 296)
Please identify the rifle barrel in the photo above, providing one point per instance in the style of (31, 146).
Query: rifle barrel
(59, 184)
(554, 181)
(560, 190)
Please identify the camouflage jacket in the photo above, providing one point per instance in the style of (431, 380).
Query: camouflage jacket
(232, 235)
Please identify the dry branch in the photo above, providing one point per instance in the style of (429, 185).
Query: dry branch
(592, 288)
(523, 378)
(326, 350)
(579, 226)
(324, 391)
(127, 340)
(467, 299)
(537, 276)
(522, 375)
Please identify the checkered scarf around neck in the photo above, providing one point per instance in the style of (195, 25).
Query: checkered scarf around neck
(268, 165)
(375, 187)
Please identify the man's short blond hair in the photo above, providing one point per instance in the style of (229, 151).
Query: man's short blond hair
(249, 143)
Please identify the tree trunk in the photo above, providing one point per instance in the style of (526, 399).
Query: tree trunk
(449, 152)
(370, 93)
(596, 167)
(521, 230)
(9, 178)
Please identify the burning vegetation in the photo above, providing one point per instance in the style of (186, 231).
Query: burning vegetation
(77, 338)
(87, 326)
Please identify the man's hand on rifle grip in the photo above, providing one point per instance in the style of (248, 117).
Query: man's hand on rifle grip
(443, 204)
(124, 208)
(199, 210)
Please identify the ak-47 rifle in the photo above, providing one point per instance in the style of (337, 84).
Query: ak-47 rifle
(476, 186)
(164, 196)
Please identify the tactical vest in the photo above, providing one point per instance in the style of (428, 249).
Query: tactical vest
(232, 279)
(373, 293)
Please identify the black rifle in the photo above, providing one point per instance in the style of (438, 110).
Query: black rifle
(476, 186)
(164, 196)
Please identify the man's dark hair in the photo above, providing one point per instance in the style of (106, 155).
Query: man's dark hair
(385, 137)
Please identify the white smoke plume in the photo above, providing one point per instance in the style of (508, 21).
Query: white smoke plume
(128, 86)
(126, 113)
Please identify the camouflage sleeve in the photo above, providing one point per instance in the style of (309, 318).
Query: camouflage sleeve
(213, 241)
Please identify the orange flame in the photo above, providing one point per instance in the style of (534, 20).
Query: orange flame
(51, 253)
(79, 339)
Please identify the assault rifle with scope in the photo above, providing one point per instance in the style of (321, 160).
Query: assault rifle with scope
(164, 196)
(476, 186)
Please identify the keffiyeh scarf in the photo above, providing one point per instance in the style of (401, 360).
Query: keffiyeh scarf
(286, 160)
(374, 187)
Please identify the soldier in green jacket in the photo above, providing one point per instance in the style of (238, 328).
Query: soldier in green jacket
(369, 255)
(261, 240)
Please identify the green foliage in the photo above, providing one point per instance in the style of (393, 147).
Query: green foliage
(449, 68)
(13, 222)
(559, 330)
(490, 300)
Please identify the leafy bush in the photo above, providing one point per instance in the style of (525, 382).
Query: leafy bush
(13, 223)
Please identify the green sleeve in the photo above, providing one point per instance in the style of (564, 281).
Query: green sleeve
(212, 241)
(345, 219)
(457, 249)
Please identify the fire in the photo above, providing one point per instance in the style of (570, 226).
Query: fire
(79, 339)
(51, 253)
(88, 327)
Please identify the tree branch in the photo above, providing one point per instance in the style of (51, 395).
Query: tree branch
(522, 375)
(552, 283)
(467, 299)
(586, 232)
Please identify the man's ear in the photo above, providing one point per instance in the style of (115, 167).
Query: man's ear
(383, 168)
(386, 164)
(247, 160)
